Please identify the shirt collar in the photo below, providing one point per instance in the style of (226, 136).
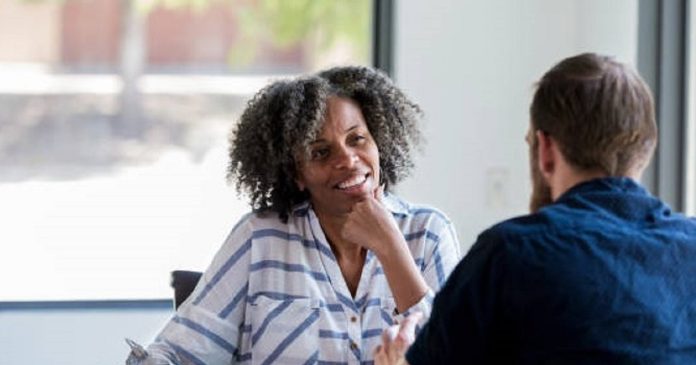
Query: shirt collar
(394, 204)
(617, 184)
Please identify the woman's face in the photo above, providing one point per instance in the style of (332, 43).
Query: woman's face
(343, 163)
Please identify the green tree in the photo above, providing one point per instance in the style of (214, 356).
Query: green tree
(316, 24)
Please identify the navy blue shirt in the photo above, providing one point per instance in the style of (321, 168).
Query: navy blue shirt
(605, 275)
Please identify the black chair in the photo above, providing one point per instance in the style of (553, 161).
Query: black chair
(183, 283)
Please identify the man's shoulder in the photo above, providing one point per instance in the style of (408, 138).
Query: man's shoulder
(520, 226)
(554, 218)
(526, 234)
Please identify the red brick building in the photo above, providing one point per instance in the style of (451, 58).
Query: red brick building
(88, 37)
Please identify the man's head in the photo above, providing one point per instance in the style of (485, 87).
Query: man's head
(599, 115)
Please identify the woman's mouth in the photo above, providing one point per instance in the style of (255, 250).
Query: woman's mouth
(352, 182)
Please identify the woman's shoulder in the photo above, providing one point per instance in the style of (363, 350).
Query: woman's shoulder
(268, 219)
(259, 231)
(265, 219)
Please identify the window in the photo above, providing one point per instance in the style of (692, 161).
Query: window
(113, 130)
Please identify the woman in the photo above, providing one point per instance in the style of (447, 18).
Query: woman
(328, 258)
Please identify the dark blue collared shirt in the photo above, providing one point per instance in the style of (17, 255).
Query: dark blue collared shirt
(605, 275)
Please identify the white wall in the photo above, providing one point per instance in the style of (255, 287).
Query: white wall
(471, 65)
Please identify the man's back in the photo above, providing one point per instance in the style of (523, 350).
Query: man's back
(606, 274)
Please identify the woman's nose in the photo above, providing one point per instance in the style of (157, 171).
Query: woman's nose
(345, 158)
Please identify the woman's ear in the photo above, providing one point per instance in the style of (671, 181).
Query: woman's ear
(300, 184)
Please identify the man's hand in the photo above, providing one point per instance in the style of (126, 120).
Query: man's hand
(396, 340)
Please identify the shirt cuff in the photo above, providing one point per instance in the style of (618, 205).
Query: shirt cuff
(424, 305)
(140, 356)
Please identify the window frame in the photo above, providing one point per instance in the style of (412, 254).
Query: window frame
(690, 163)
(383, 35)
(663, 60)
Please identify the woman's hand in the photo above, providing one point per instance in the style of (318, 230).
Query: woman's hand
(371, 225)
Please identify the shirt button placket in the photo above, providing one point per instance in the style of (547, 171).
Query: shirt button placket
(355, 334)
(353, 349)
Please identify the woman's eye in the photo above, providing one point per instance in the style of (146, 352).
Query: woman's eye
(358, 138)
(318, 154)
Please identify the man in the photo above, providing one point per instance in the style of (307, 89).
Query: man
(601, 272)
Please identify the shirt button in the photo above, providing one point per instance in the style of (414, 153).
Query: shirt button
(353, 319)
(353, 346)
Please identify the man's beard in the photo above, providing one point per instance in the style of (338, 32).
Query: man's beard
(541, 192)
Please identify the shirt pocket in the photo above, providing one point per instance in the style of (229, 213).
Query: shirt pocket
(378, 316)
(284, 331)
(388, 312)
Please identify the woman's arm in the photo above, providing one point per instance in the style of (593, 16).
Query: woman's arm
(440, 257)
(372, 225)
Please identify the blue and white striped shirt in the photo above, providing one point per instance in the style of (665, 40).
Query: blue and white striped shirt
(275, 294)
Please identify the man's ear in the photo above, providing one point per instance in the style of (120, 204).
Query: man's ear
(547, 152)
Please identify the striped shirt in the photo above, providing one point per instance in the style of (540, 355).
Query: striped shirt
(274, 293)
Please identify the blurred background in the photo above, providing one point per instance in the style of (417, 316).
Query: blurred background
(114, 117)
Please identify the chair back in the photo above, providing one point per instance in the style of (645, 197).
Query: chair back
(183, 283)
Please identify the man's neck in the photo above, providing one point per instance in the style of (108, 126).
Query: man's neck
(568, 176)
(565, 182)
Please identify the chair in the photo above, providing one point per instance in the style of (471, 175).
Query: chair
(183, 283)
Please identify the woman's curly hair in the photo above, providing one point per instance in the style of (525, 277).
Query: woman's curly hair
(281, 121)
